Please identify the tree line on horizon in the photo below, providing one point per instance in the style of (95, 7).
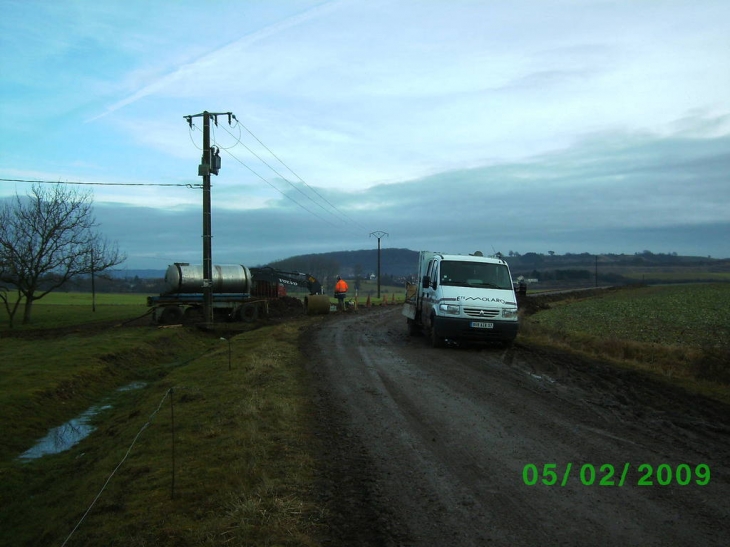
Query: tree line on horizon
(49, 242)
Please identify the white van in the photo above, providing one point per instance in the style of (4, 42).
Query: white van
(462, 297)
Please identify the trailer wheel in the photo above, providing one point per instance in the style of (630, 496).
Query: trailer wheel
(248, 313)
(171, 315)
(194, 314)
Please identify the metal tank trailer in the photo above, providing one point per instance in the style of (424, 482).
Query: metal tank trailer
(239, 293)
(182, 277)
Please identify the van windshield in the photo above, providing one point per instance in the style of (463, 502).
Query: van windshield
(475, 274)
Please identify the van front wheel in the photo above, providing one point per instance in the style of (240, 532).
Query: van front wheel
(436, 340)
(413, 329)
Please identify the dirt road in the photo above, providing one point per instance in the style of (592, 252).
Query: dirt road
(426, 446)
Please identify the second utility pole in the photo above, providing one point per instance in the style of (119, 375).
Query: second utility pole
(379, 234)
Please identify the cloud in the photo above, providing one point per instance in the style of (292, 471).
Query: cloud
(359, 93)
(213, 66)
(513, 124)
(610, 193)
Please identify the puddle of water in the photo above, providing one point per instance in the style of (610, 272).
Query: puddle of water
(65, 436)
(132, 386)
(544, 376)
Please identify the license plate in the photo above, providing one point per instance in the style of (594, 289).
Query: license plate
(481, 325)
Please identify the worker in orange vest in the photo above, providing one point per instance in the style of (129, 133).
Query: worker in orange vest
(340, 293)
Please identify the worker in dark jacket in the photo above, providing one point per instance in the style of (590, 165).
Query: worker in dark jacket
(340, 293)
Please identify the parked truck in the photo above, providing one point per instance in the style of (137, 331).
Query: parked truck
(462, 298)
(239, 293)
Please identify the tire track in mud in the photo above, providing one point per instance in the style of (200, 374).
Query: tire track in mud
(429, 445)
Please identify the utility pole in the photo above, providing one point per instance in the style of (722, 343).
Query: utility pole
(379, 235)
(211, 163)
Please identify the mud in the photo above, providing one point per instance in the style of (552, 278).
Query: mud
(424, 446)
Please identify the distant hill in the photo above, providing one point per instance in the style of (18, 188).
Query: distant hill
(393, 262)
(399, 263)
(611, 268)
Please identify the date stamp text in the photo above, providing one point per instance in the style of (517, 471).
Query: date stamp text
(588, 474)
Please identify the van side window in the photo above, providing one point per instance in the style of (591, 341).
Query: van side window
(431, 271)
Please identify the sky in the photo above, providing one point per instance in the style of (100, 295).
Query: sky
(454, 126)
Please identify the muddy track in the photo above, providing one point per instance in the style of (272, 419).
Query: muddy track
(424, 446)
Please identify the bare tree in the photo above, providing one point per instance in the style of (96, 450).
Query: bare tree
(46, 239)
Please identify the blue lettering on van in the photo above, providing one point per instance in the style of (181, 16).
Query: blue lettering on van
(484, 299)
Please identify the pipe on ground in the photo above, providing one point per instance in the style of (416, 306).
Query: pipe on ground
(317, 304)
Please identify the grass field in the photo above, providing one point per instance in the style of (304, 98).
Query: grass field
(244, 453)
(693, 315)
(61, 309)
(678, 331)
(676, 277)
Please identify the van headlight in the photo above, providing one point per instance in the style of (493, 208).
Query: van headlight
(449, 309)
(509, 313)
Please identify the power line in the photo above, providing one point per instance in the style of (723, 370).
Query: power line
(227, 151)
(345, 216)
(190, 134)
(282, 176)
(238, 139)
(296, 175)
(97, 183)
(275, 188)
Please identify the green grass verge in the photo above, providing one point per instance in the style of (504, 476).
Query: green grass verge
(243, 453)
(681, 333)
(61, 309)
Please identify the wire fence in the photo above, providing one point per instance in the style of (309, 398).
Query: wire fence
(169, 393)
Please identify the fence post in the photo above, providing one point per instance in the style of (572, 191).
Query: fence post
(172, 420)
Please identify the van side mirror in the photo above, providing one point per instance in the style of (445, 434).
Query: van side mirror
(427, 282)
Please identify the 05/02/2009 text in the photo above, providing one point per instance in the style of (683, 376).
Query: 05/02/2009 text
(607, 475)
